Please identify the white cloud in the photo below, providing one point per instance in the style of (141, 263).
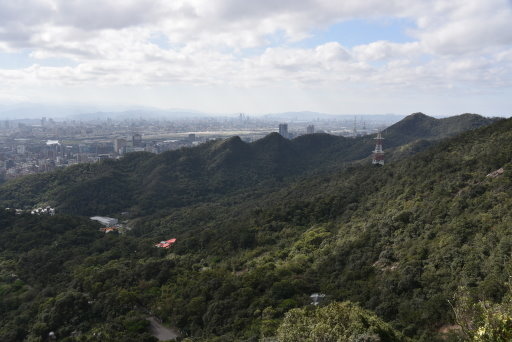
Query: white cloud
(383, 50)
(235, 43)
(466, 26)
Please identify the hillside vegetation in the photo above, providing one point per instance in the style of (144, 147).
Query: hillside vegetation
(394, 244)
(143, 183)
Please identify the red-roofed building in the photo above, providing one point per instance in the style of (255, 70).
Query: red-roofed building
(166, 244)
(109, 229)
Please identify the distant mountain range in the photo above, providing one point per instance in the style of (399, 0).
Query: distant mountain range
(102, 112)
(89, 112)
(307, 116)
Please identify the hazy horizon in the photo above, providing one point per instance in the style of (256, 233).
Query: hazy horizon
(33, 111)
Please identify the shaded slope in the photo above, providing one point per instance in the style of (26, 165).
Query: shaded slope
(144, 183)
(399, 240)
(421, 126)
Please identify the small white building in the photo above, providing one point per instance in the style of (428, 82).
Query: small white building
(106, 221)
(317, 298)
(43, 211)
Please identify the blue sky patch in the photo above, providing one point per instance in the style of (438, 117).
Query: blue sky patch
(160, 40)
(22, 59)
(18, 60)
(348, 33)
(355, 32)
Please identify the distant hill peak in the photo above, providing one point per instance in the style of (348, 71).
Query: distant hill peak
(422, 126)
(417, 116)
(232, 141)
(228, 144)
(273, 137)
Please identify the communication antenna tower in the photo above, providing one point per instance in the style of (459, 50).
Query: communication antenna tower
(378, 153)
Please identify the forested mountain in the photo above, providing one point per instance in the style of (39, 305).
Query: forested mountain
(421, 126)
(143, 183)
(387, 244)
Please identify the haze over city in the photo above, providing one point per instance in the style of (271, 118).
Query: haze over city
(340, 57)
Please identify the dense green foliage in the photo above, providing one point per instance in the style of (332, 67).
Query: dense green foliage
(335, 322)
(483, 320)
(399, 240)
(421, 126)
(41, 281)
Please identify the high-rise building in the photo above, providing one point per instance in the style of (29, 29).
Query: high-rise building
(119, 144)
(310, 129)
(137, 140)
(283, 130)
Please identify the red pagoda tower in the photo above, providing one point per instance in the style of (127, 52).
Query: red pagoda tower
(378, 153)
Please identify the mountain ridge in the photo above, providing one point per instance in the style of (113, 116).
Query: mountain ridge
(401, 243)
(143, 182)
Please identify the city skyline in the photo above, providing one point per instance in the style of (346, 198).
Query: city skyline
(264, 57)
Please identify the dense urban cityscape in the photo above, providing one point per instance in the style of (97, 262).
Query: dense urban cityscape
(34, 146)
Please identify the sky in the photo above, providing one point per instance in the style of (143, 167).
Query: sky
(342, 57)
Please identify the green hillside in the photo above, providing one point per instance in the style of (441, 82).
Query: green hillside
(394, 244)
(142, 183)
(399, 240)
(421, 126)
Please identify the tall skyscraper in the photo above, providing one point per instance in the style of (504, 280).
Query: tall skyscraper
(136, 140)
(119, 144)
(283, 130)
(310, 129)
(20, 149)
